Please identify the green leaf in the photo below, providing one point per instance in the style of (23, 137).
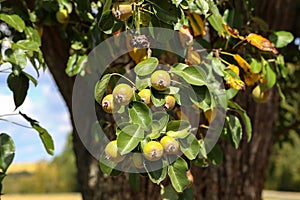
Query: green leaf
(33, 35)
(203, 5)
(140, 114)
(146, 67)
(233, 18)
(177, 173)
(16, 57)
(100, 88)
(281, 38)
(157, 170)
(187, 194)
(168, 193)
(31, 78)
(193, 75)
(46, 138)
(43, 133)
(189, 146)
(216, 155)
(244, 117)
(129, 138)
(134, 181)
(235, 129)
(215, 19)
(159, 122)
(13, 20)
(256, 66)
(107, 166)
(178, 128)
(27, 45)
(76, 64)
(19, 86)
(7, 152)
(142, 83)
(157, 98)
(271, 77)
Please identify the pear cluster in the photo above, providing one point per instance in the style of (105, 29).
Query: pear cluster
(123, 93)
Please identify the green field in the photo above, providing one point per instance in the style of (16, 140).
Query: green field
(69, 196)
(268, 195)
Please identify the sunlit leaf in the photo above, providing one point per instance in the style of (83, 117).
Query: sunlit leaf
(146, 67)
(196, 24)
(177, 174)
(43, 133)
(14, 21)
(261, 43)
(100, 88)
(281, 38)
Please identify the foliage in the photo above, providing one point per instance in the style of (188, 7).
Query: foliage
(238, 52)
(56, 176)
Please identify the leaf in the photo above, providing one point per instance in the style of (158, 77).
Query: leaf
(46, 138)
(19, 86)
(100, 88)
(7, 152)
(134, 181)
(76, 64)
(271, 77)
(193, 57)
(107, 166)
(244, 117)
(33, 35)
(157, 98)
(177, 174)
(157, 170)
(215, 19)
(197, 24)
(281, 38)
(187, 194)
(13, 20)
(27, 45)
(189, 146)
(146, 67)
(256, 65)
(31, 78)
(232, 31)
(235, 129)
(216, 155)
(242, 63)
(235, 83)
(168, 193)
(129, 138)
(261, 43)
(16, 57)
(142, 83)
(178, 128)
(140, 114)
(43, 133)
(193, 75)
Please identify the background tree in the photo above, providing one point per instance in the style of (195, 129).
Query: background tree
(236, 178)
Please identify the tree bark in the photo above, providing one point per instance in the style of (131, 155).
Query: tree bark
(242, 174)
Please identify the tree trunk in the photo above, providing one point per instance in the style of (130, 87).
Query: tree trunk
(242, 174)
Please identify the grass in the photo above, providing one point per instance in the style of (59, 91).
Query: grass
(267, 195)
(68, 196)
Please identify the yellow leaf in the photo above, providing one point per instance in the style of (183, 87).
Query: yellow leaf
(251, 79)
(234, 68)
(242, 63)
(197, 24)
(235, 83)
(232, 32)
(193, 57)
(261, 43)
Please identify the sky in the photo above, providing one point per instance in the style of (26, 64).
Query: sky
(44, 104)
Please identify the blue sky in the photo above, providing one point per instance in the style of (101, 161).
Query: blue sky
(43, 103)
